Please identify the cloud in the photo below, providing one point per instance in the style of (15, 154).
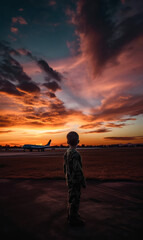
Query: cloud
(6, 121)
(52, 74)
(14, 30)
(104, 32)
(52, 3)
(10, 88)
(11, 70)
(52, 86)
(124, 138)
(23, 51)
(19, 20)
(115, 125)
(51, 94)
(91, 125)
(55, 132)
(100, 130)
(21, 9)
(127, 119)
(35, 113)
(5, 131)
(9, 67)
(30, 87)
(116, 107)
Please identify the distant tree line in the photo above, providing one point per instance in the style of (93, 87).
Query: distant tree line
(8, 147)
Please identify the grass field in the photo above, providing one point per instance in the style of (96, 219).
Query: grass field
(102, 164)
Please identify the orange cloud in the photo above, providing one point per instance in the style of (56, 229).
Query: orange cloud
(14, 30)
(91, 125)
(19, 20)
(116, 125)
(5, 131)
(100, 130)
(106, 102)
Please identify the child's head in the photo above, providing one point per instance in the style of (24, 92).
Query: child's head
(72, 139)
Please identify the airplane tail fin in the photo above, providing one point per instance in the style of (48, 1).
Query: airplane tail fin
(48, 144)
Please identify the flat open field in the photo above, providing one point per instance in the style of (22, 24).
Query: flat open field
(102, 164)
(33, 203)
(36, 210)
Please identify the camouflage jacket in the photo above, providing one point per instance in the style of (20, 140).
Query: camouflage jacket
(73, 168)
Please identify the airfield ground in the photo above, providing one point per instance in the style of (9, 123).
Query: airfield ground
(101, 164)
(33, 195)
(36, 210)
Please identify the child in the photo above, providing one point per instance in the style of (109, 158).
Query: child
(74, 178)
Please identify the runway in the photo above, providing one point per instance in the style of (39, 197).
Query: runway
(36, 209)
(27, 153)
(102, 164)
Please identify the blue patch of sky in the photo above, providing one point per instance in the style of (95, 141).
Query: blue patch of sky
(47, 31)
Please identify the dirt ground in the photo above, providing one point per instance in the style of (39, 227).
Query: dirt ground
(33, 195)
(103, 164)
(36, 210)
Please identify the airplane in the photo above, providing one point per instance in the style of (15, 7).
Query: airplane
(38, 147)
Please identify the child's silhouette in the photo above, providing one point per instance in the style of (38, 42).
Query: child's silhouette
(74, 177)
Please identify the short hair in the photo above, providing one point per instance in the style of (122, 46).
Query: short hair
(72, 138)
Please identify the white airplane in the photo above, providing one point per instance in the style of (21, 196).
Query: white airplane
(38, 147)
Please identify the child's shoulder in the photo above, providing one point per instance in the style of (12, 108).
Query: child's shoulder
(74, 153)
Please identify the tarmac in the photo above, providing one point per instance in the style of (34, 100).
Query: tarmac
(36, 210)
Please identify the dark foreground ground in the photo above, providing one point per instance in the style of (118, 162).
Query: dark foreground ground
(36, 210)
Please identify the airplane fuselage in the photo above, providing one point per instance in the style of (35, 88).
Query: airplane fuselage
(31, 147)
(38, 147)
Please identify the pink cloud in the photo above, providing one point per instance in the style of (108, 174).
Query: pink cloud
(21, 9)
(19, 20)
(52, 3)
(31, 68)
(14, 30)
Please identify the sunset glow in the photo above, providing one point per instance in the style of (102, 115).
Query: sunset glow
(67, 65)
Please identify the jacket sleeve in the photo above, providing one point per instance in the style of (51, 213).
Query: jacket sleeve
(64, 164)
(77, 168)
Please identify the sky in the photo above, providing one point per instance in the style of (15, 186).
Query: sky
(71, 65)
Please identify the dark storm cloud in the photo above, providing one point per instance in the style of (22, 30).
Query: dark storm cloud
(52, 86)
(11, 70)
(8, 87)
(9, 67)
(29, 87)
(51, 94)
(52, 74)
(105, 31)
